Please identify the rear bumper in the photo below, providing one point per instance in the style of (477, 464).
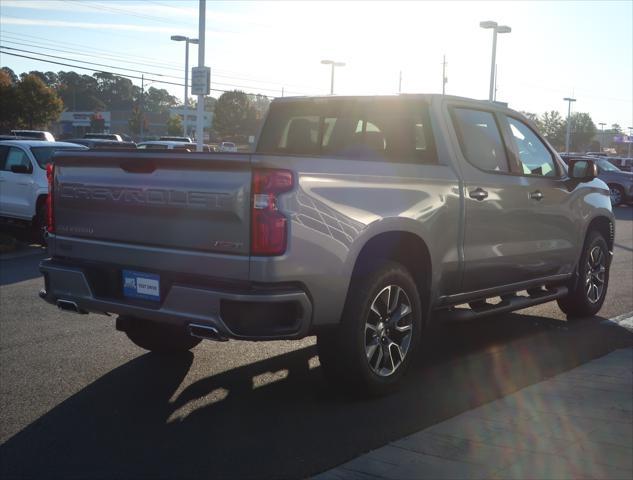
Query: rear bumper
(257, 314)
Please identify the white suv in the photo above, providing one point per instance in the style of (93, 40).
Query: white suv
(23, 183)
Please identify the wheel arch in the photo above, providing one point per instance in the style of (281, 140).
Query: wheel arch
(404, 247)
(605, 226)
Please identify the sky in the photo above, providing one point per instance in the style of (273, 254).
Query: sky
(555, 50)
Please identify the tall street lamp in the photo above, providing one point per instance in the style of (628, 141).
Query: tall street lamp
(630, 140)
(333, 64)
(602, 124)
(495, 30)
(567, 135)
(187, 40)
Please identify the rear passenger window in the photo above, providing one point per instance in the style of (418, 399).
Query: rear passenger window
(534, 156)
(382, 129)
(480, 139)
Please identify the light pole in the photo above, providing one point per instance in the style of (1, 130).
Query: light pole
(333, 64)
(495, 30)
(567, 135)
(602, 124)
(187, 40)
(630, 138)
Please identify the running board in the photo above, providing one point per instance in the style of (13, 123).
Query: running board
(508, 303)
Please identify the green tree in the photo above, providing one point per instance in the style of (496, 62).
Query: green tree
(583, 130)
(231, 114)
(79, 92)
(533, 117)
(158, 100)
(615, 129)
(8, 103)
(553, 128)
(174, 125)
(38, 104)
(11, 74)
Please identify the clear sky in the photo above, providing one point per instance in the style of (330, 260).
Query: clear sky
(555, 49)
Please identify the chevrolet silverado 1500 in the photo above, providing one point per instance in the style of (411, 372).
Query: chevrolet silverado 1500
(361, 220)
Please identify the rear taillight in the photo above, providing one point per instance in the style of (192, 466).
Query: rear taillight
(269, 229)
(50, 216)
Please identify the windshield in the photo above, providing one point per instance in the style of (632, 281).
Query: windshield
(607, 166)
(43, 154)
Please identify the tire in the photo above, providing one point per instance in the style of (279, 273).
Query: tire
(38, 226)
(374, 344)
(156, 337)
(586, 296)
(617, 195)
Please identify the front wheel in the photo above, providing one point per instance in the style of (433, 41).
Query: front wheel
(587, 296)
(156, 337)
(379, 332)
(617, 194)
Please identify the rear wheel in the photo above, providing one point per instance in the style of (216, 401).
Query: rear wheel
(38, 226)
(587, 296)
(156, 337)
(379, 332)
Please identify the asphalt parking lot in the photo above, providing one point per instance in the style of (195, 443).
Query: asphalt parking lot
(77, 399)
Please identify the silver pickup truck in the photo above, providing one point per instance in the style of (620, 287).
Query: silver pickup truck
(361, 220)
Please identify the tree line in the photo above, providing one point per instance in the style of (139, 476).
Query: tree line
(34, 99)
(582, 132)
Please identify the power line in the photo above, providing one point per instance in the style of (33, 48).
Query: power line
(86, 62)
(137, 77)
(91, 51)
(125, 12)
(216, 73)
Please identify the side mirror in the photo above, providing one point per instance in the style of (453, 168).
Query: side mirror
(584, 170)
(20, 168)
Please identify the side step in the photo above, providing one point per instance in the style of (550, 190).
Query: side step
(508, 303)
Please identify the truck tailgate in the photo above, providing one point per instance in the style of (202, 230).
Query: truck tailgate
(185, 201)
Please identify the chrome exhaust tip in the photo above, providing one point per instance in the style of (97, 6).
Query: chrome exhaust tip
(69, 306)
(205, 332)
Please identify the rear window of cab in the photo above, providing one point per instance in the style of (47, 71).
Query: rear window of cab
(382, 129)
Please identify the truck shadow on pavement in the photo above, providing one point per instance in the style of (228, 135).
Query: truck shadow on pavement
(278, 418)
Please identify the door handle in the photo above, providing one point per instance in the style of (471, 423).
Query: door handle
(537, 195)
(478, 194)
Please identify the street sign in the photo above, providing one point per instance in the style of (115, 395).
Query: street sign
(200, 80)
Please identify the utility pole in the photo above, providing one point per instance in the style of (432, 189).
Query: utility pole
(602, 124)
(400, 82)
(200, 107)
(444, 79)
(569, 100)
(141, 114)
(630, 140)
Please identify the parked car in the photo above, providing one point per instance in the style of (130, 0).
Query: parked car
(35, 134)
(623, 163)
(104, 136)
(176, 139)
(23, 184)
(172, 145)
(620, 183)
(227, 147)
(100, 143)
(362, 220)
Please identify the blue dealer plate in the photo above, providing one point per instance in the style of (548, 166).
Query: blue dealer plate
(141, 285)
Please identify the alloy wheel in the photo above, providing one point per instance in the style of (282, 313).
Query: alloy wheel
(596, 274)
(388, 330)
(616, 196)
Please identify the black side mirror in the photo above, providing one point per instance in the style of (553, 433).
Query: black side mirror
(20, 168)
(583, 169)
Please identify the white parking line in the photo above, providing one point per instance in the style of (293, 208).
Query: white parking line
(625, 321)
